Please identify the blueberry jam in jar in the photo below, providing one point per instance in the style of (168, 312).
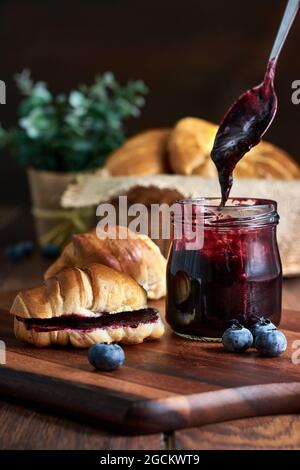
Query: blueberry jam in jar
(223, 264)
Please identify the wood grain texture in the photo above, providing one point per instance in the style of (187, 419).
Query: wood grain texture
(164, 385)
(264, 433)
(25, 429)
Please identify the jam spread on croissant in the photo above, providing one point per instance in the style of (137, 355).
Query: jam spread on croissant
(77, 322)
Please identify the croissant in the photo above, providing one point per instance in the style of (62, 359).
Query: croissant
(121, 249)
(83, 307)
(189, 146)
(143, 154)
(191, 142)
(269, 162)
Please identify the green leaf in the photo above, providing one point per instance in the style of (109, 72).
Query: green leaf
(40, 94)
(76, 99)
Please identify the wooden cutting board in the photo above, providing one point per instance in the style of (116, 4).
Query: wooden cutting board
(163, 385)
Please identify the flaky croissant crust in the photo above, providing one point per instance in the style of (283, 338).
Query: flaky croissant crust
(121, 249)
(81, 339)
(96, 288)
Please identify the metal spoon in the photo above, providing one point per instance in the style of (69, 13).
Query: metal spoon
(251, 115)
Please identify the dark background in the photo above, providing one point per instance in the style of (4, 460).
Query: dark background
(196, 57)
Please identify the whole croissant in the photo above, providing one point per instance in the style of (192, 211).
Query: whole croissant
(121, 249)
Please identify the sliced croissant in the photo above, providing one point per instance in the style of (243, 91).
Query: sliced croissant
(73, 290)
(87, 294)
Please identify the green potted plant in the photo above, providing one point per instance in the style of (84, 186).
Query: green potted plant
(60, 137)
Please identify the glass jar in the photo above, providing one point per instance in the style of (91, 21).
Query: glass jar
(223, 264)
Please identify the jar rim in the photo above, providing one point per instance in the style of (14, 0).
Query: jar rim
(208, 202)
(239, 212)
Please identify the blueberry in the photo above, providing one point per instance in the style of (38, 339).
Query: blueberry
(19, 251)
(270, 343)
(106, 356)
(50, 250)
(263, 324)
(237, 338)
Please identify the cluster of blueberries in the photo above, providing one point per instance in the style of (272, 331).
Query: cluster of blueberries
(266, 338)
(263, 335)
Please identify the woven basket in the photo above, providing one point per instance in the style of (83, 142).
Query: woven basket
(100, 187)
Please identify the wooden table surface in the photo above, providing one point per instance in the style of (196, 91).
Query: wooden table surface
(26, 428)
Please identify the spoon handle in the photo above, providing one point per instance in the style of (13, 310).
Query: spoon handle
(286, 23)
